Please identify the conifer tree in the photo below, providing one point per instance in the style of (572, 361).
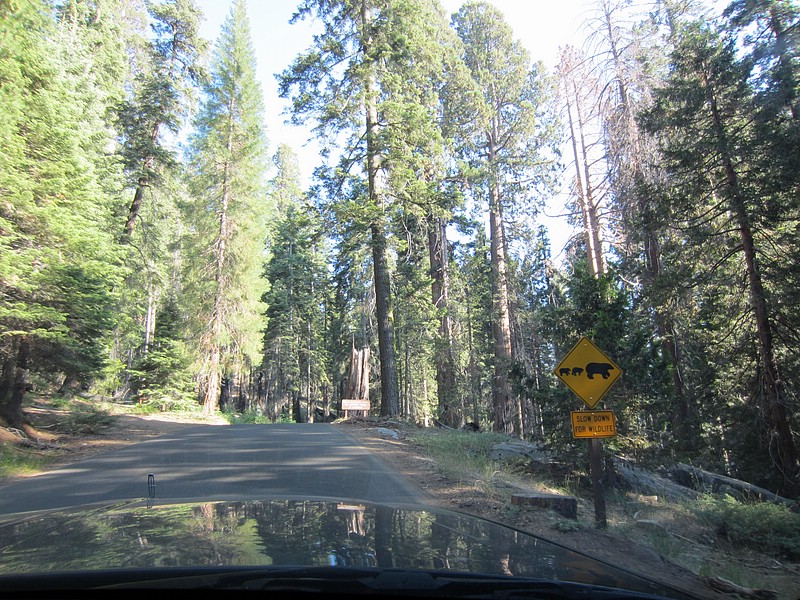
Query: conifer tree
(57, 262)
(166, 67)
(226, 220)
(703, 117)
(371, 100)
(509, 155)
(161, 97)
(294, 353)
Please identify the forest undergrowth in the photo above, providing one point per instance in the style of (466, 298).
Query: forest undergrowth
(751, 544)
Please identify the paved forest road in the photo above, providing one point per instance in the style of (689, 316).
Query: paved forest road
(216, 463)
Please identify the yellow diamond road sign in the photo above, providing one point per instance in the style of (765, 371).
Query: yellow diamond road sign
(588, 372)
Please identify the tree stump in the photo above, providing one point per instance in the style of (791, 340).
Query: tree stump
(566, 506)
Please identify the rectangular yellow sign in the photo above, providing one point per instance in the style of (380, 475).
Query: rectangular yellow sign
(593, 424)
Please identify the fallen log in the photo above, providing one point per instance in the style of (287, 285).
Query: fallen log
(566, 506)
(695, 477)
(518, 449)
(650, 483)
(728, 587)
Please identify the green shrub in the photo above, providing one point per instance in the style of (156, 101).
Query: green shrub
(765, 526)
(248, 418)
(161, 400)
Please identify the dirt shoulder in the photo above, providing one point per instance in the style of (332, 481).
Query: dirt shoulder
(46, 438)
(474, 498)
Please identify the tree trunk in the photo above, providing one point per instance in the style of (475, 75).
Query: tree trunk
(440, 293)
(583, 184)
(147, 165)
(502, 395)
(390, 397)
(13, 381)
(217, 317)
(133, 211)
(626, 130)
(358, 379)
(474, 376)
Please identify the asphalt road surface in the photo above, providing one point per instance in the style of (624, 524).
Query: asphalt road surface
(217, 463)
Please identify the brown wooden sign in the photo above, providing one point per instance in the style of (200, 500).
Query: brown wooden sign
(350, 404)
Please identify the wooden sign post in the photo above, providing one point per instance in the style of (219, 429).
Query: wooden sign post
(349, 405)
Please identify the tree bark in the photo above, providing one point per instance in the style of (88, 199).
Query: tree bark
(133, 211)
(440, 293)
(583, 183)
(212, 391)
(13, 381)
(390, 396)
(358, 378)
(505, 418)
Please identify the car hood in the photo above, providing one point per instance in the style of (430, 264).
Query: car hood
(291, 532)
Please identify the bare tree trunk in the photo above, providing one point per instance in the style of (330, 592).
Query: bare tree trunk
(440, 293)
(583, 184)
(625, 131)
(473, 377)
(358, 379)
(502, 396)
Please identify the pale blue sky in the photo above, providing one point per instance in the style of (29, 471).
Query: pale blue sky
(541, 25)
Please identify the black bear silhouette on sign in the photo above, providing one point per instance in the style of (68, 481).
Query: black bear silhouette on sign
(602, 369)
(591, 370)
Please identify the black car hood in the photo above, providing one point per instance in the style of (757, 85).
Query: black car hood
(291, 532)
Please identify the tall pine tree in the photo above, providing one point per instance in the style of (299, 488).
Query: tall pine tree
(510, 160)
(226, 220)
(57, 261)
(703, 116)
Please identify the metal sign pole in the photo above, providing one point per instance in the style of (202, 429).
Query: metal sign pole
(589, 373)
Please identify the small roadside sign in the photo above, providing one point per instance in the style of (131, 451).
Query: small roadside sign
(355, 404)
(593, 424)
(588, 372)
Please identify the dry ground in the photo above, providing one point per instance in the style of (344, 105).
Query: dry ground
(612, 545)
(474, 497)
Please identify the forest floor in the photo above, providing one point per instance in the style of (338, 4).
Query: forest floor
(619, 545)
